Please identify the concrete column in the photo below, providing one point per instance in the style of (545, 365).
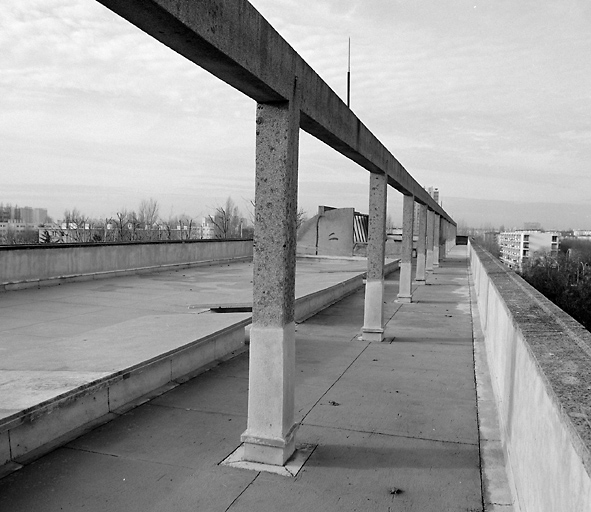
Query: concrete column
(421, 245)
(408, 214)
(373, 325)
(430, 233)
(270, 434)
(442, 239)
(436, 239)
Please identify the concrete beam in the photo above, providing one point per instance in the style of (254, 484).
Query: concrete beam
(231, 40)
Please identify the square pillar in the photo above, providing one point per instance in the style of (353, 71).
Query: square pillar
(444, 236)
(430, 233)
(421, 245)
(373, 324)
(270, 434)
(436, 239)
(408, 213)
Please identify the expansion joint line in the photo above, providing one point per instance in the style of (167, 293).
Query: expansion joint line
(472, 311)
(336, 381)
(387, 434)
(243, 491)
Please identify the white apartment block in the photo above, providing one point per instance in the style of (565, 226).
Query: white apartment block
(517, 246)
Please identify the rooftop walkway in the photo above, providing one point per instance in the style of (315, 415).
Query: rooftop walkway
(394, 425)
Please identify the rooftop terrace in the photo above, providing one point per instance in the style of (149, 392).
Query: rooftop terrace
(383, 401)
(385, 425)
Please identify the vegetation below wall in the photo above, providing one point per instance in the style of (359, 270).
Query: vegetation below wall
(565, 279)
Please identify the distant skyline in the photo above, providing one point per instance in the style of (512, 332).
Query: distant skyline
(490, 101)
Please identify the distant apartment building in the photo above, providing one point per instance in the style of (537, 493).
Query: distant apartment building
(434, 193)
(518, 246)
(24, 215)
(584, 234)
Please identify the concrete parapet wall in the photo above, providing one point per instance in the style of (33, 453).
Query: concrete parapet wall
(27, 435)
(28, 266)
(309, 305)
(540, 365)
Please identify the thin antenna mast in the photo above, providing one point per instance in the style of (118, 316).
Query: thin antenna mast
(349, 76)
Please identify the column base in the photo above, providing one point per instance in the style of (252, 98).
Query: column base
(420, 282)
(404, 299)
(372, 334)
(269, 451)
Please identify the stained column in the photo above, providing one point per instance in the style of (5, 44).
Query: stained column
(270, 434)
(373, 325)
(430, 233)
(436, 239)
(405, 286)
(421, 245)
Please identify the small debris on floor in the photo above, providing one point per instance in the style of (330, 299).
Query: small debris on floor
(332, 402)
(396, 490)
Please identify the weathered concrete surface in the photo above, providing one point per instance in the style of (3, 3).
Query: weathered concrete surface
(417, 432)
(408, 214)
(329, 233)
(270, 434)
(430, 240)
(24, 267)
(373, 323)
(540, 363)
(421, 246)
(231, 40)
(436, 240)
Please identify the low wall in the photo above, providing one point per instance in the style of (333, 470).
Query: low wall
(309, 305)
(26, 266)
(540, 365)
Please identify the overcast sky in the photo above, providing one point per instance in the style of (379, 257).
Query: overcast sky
(489, 100)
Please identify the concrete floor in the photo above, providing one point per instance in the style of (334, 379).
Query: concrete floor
(394, 424)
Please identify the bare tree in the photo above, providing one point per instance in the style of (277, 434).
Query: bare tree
(227, 220)
(301, 217)
(186, 225)
(147, 216)
(121, 225)
(78, 226)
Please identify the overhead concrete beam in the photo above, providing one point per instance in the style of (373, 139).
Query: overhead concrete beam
(231, 40)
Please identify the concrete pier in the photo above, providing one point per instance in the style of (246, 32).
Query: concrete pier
(421, 245)
(430, 240)
(373, 323)
(270, 434)
(436, 239)
(408, 213)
